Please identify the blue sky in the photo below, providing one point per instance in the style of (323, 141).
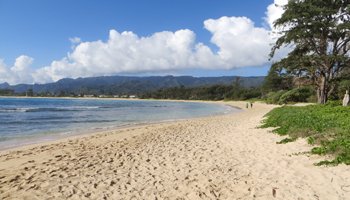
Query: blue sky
(40, 32)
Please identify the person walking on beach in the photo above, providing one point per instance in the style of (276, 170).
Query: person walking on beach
(251, 104)
(247, 105)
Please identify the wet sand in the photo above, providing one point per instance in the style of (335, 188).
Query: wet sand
(218, 157)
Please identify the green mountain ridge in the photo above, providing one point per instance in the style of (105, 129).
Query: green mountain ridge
(111, 85)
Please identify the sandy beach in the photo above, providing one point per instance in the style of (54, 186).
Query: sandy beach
(217, 157)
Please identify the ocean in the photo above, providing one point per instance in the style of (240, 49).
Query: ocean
(32, 120)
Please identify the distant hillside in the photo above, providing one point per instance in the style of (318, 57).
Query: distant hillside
(128, 84)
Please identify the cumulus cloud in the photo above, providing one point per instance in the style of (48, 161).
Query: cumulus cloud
(126, 52)
(4, 71)
(240, 43)
(20, 72)
(274, 11)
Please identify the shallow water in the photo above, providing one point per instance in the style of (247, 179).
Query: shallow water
(26, 120)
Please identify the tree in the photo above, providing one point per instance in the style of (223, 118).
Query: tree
(30, 92)
(276, 80)
(236, 88)
(6, 92)
(318, 31)
(62, 93)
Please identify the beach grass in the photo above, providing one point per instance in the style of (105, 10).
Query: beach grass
(325, 126)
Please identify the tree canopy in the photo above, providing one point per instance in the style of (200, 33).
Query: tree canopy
(318, 32)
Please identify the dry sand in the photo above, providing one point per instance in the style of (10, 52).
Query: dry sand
(219, 157)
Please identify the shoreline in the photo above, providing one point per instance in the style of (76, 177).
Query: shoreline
(131, 99)
(84, 134)
(58, 136)
(216, 157)
(108, 98)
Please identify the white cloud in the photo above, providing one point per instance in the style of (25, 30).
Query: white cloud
(20, 72)
(4, 71)
(75, 40)
(240, 44)
(274, 11)
(125, 52)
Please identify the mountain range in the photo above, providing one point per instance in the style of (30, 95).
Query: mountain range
(129, 84)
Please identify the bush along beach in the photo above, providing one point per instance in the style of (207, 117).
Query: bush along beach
(325, 126)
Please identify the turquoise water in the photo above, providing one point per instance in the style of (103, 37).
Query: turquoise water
(30, 120)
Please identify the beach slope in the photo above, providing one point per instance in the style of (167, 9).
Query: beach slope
(218, 157)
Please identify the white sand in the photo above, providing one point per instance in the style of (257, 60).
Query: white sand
(220, 157)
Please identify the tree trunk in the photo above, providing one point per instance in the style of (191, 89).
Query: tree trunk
(321, 96)
(322, 91)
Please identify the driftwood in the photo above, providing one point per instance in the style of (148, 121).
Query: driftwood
(346, 99)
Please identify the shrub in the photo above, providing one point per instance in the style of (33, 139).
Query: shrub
(273, 97)
(324, 125)
(296, 95)
(333, 103)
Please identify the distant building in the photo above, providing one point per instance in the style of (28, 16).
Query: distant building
(132, 96)
(88, 95)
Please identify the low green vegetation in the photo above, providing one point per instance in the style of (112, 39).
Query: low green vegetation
(325, 126)
(303, 94)
(6, 92)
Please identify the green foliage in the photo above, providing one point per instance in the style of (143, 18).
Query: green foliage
(303, 94)
(334, 103)
(276, 80)
(30, 92)
(274, 97)
(286, 140)
(125, 85)
(319, 31)
(345, 85)
(296, 95)
(232, 92)
(342, 87)
(324, 125)
(312, 99)
(6, 92)
(311, 140)
(216, 92)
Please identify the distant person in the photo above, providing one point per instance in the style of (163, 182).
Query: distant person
(247, 105)
(251, 104)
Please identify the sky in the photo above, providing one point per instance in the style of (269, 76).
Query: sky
(43, 41)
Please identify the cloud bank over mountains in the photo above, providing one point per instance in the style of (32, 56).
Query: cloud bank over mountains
(239, 41)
